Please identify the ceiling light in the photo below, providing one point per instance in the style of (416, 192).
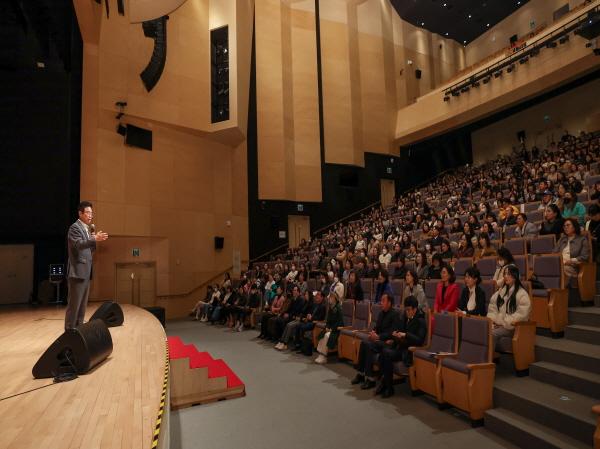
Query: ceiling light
(446, 98)
(486, 79)
(446, 33)
(564, 39)
(444, 5)
(523, 60)
(470, 16)
(422, 24)
(498, 74)
(488, 25)
(510, 68)
(455, 93)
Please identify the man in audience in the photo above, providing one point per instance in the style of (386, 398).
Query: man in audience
(379, 338)
(524, 228)
(547, 199)
(412, 332)
(436, 239)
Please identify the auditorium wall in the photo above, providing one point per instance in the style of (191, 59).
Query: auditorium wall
(574, 111)
(529, 17)
(172, 201)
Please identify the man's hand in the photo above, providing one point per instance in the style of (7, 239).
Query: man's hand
(373, 336)
(399, 334)
(100, 236)
(308, 317)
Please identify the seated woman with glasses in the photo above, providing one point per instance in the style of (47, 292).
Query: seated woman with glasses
(575, 249)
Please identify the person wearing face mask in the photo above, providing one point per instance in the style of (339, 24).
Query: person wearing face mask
(573, 208)
(509, 305)
(505, 258)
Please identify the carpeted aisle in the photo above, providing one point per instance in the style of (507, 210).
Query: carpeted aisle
(292, 403)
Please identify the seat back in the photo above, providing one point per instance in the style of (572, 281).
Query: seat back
(548, 270)
(375, 311)
(486, 267)
(444, 337)
(361, 314)
(516, 246)
(521, 263)
(509, 232)
(535, 216)
(488, 288)
(530, 207)
(461, 266)
(543, 244)
(430, 290)
(312, 284)
(397, 288)
(348, 312)
(475, 341)
(367, 288)
(591, 180)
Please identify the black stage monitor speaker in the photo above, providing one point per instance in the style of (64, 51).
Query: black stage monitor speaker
(418, 74)
(219, 242)
(77, 350)
(158, 312)
(110, 312)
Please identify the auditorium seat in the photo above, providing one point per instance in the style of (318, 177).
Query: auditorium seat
(347, 344)
(425, 371)
(586, 278)
(522, 264)
(430, 289)
(543, 244)
(397, 288)
(549, 304)
(486, 267)
(461, 266)
(467, 378)
(509, 232)
(516, 246)
(348, 316)
(535, 216)
(530, 207)
(367, 288)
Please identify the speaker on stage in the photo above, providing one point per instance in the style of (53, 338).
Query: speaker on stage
(110, 312)
(75, 351)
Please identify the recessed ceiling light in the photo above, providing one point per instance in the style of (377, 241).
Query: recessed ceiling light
(470, 16)
(488, 25)
(422, 24)
(446, 33)
(444, 5)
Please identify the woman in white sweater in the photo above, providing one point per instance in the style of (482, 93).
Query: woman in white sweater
(509, 305)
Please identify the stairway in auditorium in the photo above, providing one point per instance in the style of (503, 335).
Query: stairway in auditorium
(551, 408)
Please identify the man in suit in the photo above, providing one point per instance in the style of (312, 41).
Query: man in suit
(81, 243)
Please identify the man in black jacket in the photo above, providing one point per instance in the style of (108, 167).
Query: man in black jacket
(379, 338)
(316, 313)
(412, 332)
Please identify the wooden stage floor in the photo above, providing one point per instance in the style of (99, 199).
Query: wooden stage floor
(115, 405)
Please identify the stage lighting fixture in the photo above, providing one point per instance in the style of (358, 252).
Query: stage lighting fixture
(535, 51)
(523, 60)
(498, 74)
(588, 45)
(563, 39)
(551, 44)
(475, 84)
(510, 68)
(455, 93)
(446, 98)
(486, 79)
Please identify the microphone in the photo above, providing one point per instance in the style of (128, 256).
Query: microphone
(92, 228)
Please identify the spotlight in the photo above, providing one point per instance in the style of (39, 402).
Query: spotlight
(563, 39)
(498, 74)
(465, 89)
(455, 93)
(523, 60)
(446, 98)
(121, 129)
(535, 52)
(588, 45)
(475, 84)
(551, 44)
(486, 79)
(510, 68)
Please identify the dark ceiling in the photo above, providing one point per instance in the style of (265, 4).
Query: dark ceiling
(461, 20)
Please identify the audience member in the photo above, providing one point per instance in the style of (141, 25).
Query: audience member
(575, 250)
(329, 336)
(525, 228)
(553, 221)
(414, 288)
(447, 293)
(472, 299)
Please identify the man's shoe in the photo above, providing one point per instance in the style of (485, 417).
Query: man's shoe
(380, 389)
(368, 384)
(388, 392)
(358, 379)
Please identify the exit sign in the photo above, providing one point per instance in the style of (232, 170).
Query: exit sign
(135, 252)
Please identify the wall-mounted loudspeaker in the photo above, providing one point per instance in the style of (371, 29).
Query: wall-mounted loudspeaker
(155, 29)
(418, 74)
(76, 351)
(219, 242)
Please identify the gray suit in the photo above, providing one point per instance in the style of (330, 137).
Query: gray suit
(529, 230)
(79, 272)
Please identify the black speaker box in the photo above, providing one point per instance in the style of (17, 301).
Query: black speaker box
(219, 242)
(76, 350)
(158, 312)
(110, 312)
(418, 74)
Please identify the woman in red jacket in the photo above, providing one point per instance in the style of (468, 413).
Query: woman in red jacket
(448, 292)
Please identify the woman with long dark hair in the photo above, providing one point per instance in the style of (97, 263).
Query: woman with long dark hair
(508, 306)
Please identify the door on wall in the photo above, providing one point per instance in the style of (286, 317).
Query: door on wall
(388, 191)
(298, 229)
(136, 284)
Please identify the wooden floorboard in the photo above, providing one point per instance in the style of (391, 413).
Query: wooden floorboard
(113, 406)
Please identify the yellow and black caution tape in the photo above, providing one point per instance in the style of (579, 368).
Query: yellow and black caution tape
(163, 399)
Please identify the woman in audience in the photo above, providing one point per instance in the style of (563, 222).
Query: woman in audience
(329, 336)
(465, 247)
(445, 250)
(421, 266)
(383, 285)
(509, 305)
(354, 289)
(553, 221)
(435, 269)
(385, 258)
(575, 250)
(505, 259)
(414, 288)
(447, 293)
(341, 254)
(485, 248)
(472, 299)
(301, 283)
(573, 208)
(412, 253)
(525, 228)
(270, 311)
(488, 229)
(456, 226)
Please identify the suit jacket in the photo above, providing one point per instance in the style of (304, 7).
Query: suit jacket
(80, 249)
(479, 301)
(529, 230)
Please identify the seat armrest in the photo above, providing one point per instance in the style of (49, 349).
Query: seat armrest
(478, 366)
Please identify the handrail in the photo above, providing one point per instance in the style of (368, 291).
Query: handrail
(519, 52)
(195, 289)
